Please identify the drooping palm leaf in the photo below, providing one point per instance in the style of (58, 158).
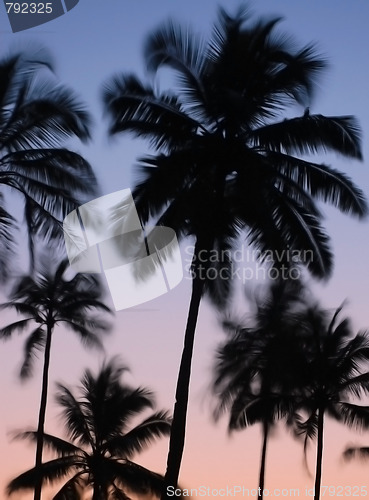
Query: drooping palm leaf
(140, 436)
(50, 471)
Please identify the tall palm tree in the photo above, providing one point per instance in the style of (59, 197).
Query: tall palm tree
(46, 301)
(228, 161)
(259, 370)
(335, 369)
(37, 116)
(101, 439)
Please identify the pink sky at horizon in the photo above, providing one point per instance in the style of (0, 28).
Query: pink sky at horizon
(90, 44)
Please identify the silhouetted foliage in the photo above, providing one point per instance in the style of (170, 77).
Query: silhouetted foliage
(228, 160)
(37, 116)
(102, 440)
(336, 371)
(259, 369)
(46, 301)
(294, 361)
(352, 452)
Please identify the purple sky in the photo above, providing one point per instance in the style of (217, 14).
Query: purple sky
(95, 40)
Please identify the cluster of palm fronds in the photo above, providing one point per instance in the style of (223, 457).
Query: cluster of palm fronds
(295, 362)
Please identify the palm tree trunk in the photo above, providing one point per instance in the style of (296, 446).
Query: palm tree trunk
(42, 411)
(31, 246)
(319, 455)
(263, 460)
(178, 428)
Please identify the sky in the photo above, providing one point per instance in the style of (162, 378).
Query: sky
(91, 43)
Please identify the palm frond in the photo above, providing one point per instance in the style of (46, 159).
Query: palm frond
(17, 326)
(48, 115)
(225, 26)
(87, 337)
(156, 172)
(47, 472)
(180, 49)
(136, 108)
(118, 494)
(352, 415)
(297, 75)
(17, 71)
(137, 478)
(298, 229)
(35, 343)
(322, 182)
(52, 166)
(84, 301)
(21, 308)
(73, 414)
(72, 489)
(358, 452)
(58, 445)
(138, 438)
(311, 134)
(356, 385)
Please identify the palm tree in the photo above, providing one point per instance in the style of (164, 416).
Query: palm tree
(335, 368)
(45, 301)
(228, 161)
(101, 439)
(37, 115)
(259, 371)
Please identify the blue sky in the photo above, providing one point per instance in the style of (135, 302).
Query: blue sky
(92, 42)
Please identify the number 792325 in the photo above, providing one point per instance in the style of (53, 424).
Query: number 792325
(29, 8)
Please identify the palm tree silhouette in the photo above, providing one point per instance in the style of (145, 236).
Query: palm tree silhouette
(227, 162)
(45, 301)
(335, 369)
(259, 370)
(101, 439)
(37, 115)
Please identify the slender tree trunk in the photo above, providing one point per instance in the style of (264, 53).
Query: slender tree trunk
(31, 246)
(263, 461)
(178, 428)
(319, 454)
(42, 412)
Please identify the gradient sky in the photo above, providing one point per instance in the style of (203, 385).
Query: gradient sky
(92, 42)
